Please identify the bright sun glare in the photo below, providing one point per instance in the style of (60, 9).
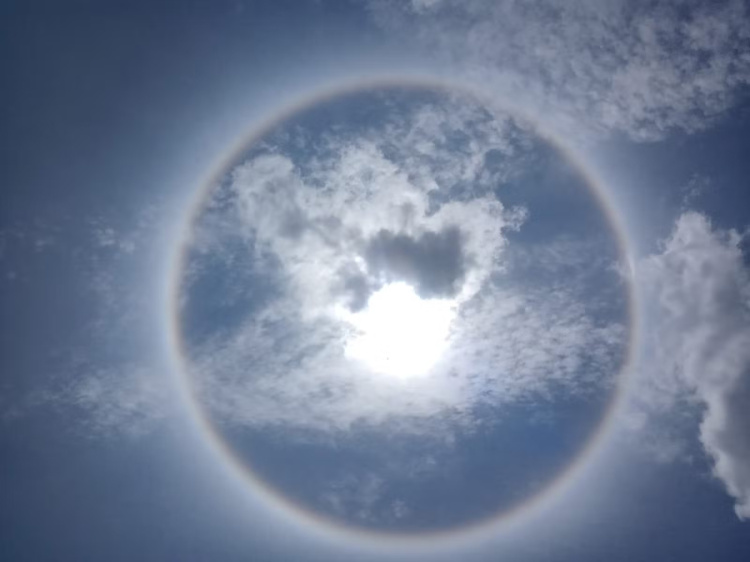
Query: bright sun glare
(399, 333)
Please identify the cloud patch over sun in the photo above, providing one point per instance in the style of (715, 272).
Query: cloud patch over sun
(357, 212)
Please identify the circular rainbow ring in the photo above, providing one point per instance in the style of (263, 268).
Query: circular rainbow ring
(308, 520)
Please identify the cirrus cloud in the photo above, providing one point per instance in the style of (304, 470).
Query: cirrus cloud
(639, 68)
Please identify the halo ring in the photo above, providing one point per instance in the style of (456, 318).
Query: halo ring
(304, 517)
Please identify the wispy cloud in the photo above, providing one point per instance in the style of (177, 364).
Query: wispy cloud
(639, 68)
(124, 400)
(101, 370)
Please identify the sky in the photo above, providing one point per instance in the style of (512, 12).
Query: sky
(375, 280)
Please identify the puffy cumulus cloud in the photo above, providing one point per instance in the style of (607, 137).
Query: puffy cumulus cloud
(390, 202)
(697, 294)
(640, 67)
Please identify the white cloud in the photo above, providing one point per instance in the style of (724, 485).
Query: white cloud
(311, 220)
(641, 68)
(697, 294)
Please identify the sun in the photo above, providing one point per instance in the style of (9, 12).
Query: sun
(398, 333)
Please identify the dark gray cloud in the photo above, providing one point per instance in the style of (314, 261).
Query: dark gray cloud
(434, 262)
(357, 288)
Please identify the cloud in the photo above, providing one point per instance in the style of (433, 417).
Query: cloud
(589, 68)
(407, 196)
(694, 190)
(100, 368)
(127, 400)
(355, 498)
(380, 195)
(697, 292)
(434, 262)
(99, 401)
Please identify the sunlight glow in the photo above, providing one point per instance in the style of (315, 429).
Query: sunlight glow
(399, 333)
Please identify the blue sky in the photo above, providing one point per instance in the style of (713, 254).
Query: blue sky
(576, 155)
